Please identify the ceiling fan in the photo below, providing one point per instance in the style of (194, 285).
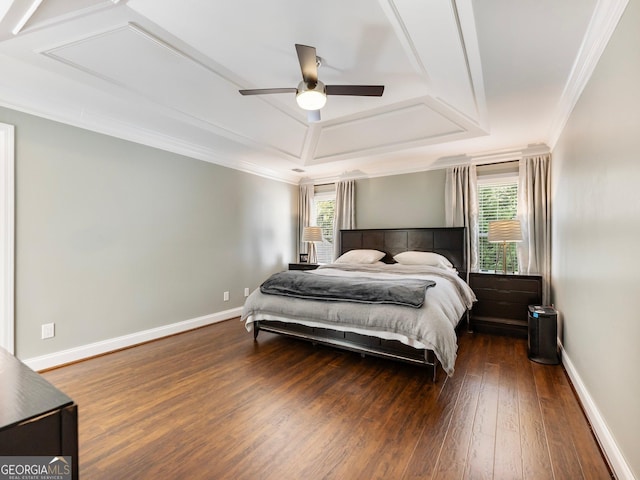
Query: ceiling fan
(311, 93)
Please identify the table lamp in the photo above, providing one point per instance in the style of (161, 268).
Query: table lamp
(312, 235)
(505, 231)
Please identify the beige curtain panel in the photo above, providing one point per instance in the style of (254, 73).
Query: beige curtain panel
(305, 207)
(534, 213)
(344, 215)
(461, 208)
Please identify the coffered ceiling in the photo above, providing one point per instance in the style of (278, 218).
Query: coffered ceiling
(461, 77)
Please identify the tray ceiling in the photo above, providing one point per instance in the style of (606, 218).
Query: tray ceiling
(460, 77)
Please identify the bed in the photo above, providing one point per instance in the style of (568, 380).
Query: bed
(423, 334)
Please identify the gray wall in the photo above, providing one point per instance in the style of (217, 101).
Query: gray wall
(409, 200)
(114, 238)
(596, 232)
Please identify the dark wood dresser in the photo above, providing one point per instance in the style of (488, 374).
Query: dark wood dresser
(503, 301)
(36, 419)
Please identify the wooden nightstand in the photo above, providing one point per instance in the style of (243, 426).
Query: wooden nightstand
(303, 266)
(503, 301)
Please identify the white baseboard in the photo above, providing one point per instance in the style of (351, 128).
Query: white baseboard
(98, 348)
(608, 444)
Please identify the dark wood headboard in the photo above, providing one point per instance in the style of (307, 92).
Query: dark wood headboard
(447, 241)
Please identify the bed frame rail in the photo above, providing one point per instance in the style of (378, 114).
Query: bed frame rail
(354, 342)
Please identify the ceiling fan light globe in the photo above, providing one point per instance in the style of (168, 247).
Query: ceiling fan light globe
(311, 98)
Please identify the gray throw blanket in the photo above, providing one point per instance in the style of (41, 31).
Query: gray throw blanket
(407, 292)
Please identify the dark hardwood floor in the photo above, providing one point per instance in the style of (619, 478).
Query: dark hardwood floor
(212, 404)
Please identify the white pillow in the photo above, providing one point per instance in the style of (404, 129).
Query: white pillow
(360, 256)
(423, 258)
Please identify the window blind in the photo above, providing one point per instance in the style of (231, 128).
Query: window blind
(324, 213)
(497, 200)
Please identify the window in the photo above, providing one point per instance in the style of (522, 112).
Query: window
(324, 202)
(497, 200)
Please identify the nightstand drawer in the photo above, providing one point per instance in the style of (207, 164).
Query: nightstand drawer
(506, 282)
(501, 309)
(514, 296)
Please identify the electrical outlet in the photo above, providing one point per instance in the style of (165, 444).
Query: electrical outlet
(246, 291)
(48, 330)
(226, 296)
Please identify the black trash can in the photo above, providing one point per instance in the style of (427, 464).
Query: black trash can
(543, 334)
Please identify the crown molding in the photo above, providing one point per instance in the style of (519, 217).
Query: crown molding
(126, 131)
(605, 18)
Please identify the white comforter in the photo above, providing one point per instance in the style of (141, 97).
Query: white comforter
(432, 326)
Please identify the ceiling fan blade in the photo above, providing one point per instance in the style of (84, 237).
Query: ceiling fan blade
(308, 65)
(264, 91)
(313, 116)
(356, 90)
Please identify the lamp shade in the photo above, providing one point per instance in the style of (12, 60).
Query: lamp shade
(312, 234)
(505, 231)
